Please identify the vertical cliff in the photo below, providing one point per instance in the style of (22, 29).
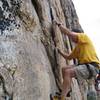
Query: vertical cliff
(30, 66)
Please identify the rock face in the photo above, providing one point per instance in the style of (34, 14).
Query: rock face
(30, 66)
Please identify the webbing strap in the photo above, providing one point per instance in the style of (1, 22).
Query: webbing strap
(90, 72)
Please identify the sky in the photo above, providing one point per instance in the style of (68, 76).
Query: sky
(89, 18)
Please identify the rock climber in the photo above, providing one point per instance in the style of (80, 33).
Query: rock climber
(84, 51)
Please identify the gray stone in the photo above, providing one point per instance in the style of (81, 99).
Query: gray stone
(30, 66)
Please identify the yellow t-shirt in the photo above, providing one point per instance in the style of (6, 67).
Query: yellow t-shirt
(84, 51)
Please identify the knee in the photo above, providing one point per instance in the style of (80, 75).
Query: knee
(65, 71)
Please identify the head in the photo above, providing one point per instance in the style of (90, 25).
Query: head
(75, 31)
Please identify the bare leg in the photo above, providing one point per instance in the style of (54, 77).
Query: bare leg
(66, 86)
(68, 73)
(63, 70)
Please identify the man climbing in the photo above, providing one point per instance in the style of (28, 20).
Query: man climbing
(84, 52)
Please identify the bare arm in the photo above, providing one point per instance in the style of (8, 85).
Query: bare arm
(66, 31)
(65, 55)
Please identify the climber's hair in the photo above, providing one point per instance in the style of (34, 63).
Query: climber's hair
(77, 30)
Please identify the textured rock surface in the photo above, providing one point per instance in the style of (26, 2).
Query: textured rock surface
(30, 66)
(20, 46)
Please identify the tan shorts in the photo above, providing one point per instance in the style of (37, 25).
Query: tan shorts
(82, 71)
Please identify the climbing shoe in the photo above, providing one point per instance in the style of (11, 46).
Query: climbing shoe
(68, 94)
(54, 97)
